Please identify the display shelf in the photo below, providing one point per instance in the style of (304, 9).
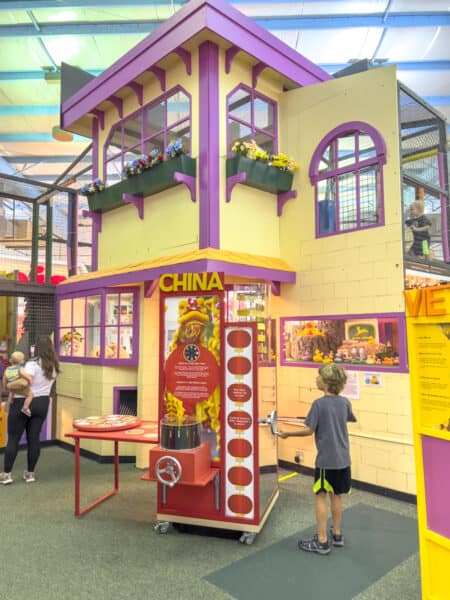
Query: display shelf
(172, 172)
(259, 175)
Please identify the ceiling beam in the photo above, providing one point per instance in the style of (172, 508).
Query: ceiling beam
(81, 28)
(422, 65)
(43, 159)
(418, 65)
(65, 4)
(36, 137)
(24, 110)
(283, 23)
(8, 110)
(20, 75)
(32, 182)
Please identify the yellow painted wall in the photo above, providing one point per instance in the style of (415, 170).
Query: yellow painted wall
(351, 273)
(248, 223)
(170, 223)
(87, 390)
(148, 374)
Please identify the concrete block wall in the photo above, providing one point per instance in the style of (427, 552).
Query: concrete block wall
(354, 273)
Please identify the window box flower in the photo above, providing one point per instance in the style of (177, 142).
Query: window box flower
(150, 181)
(259, 174)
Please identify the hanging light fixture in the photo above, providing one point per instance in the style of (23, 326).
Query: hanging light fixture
(60, 135)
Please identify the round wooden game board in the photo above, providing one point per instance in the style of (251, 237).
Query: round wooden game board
(106, 423)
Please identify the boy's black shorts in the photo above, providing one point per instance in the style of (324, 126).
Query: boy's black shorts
(335, 481)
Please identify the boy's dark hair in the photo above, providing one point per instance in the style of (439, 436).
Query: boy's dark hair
(334, 376)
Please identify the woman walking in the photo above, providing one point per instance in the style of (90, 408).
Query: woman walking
(42, 372)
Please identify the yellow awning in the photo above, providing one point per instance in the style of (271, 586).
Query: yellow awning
(207, 259)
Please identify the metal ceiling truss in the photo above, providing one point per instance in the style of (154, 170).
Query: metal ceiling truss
(278, 23)
(430, 65)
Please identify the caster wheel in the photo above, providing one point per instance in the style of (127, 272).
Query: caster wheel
(161, 527)
(247, 538)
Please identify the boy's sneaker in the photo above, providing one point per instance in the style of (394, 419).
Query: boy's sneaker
(336, 540)
(28, 476)
(315, 546)
(26, 411)
(5, 478)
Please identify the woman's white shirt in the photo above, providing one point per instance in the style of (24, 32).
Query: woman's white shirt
(40, 386)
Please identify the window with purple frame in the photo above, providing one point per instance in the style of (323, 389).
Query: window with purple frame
(99, 328)
(347, 172)
(369, 342)
(251, 116)
(156, 125)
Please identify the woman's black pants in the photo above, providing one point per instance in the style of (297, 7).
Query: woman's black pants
(18, 422)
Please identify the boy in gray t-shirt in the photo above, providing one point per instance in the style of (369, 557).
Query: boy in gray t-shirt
(327, 420)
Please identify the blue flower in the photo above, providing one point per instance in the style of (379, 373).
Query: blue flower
(175, 149)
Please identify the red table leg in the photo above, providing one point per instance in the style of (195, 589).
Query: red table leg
(79, 512)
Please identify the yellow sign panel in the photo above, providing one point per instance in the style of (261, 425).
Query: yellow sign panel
(428, 326)
(432, 374)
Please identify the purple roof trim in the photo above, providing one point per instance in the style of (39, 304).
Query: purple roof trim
(216, 16)
(196, 266)
(209, 180)
(94, 153)
(138, 89)
(160, 74)
(256, 72)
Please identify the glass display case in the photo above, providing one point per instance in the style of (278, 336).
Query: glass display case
(375, 342)
(251, 303)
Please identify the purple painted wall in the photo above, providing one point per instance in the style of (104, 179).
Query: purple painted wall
(436, 461)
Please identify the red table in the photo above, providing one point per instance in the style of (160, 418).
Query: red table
(145, 433)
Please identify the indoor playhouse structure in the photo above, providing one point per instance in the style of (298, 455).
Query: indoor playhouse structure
(262, 227)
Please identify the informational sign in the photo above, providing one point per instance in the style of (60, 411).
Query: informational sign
(191, 355)
(192, 374)
(432, 373)
(240, 422)
(351, 389)
(428, 328)
(373, 379)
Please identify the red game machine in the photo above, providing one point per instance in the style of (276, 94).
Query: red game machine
(207, 466)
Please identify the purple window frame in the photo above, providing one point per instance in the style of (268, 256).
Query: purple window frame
(253, 94)
(357, 128)
(402, 367)
(141, 111)
(102, 360)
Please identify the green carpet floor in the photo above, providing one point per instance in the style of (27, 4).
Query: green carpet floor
(113, 553)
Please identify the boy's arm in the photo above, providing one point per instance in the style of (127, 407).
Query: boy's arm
(303, 432)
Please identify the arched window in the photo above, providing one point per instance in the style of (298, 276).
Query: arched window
(347, 172)
(155, 125)
(251, 116)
